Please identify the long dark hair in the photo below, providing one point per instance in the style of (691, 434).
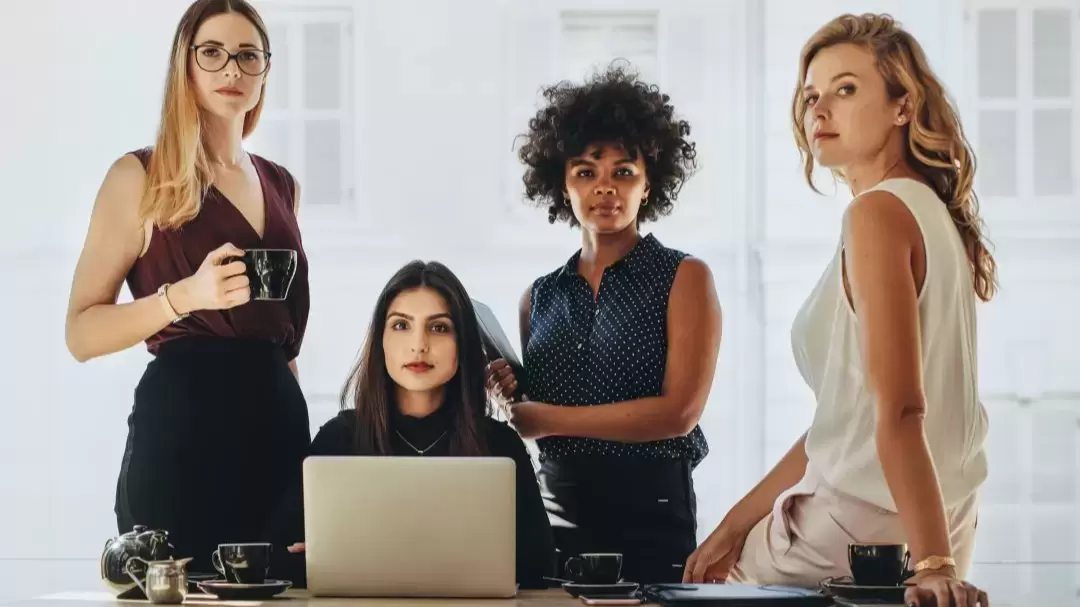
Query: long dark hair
(371, 391)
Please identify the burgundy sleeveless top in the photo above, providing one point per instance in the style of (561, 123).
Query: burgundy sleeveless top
(177, 254)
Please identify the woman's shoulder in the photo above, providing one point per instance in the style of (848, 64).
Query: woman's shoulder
(502, 439)
(279, 176)
(276, 167)
(335, 436)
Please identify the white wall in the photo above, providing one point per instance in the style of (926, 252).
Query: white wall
(441, 88)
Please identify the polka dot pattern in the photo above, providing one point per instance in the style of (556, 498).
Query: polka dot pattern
(585, 352)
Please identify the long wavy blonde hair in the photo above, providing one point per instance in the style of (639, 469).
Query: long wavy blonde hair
(179, 172)
(936, 146)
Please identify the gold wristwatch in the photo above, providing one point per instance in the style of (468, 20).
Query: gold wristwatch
(934, 562)
(163, 297)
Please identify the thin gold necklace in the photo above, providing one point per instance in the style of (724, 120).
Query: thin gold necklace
(426, 449)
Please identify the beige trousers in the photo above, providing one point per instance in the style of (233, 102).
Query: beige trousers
(805, 538)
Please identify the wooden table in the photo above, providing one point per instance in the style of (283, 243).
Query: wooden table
(299, 598)
(555, 597)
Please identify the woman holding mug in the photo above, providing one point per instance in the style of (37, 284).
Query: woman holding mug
(219, 421)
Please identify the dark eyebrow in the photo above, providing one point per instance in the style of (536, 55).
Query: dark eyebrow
(216, 43)
(574, 162)
(834, 79)
(407, 317)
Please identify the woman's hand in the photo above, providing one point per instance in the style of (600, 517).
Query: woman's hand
(500, 381)
(941, 588)
(213, 286)
(297, 547)
(714, 558)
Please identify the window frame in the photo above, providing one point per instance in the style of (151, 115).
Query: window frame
(324, 217)
(604, 22)
(518, 108)
(1025, 214)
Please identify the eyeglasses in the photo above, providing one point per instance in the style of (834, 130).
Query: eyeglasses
(213, 58)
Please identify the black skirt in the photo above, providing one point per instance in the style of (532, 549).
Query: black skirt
(645, 509)
(218, 430)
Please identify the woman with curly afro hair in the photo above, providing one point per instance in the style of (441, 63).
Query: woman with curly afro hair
(620, 342)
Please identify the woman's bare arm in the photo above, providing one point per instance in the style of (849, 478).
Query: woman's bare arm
(96, 325)
(880, 240)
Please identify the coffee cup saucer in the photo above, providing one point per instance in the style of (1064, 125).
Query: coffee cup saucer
(226, 590)
(846, 588)
(620, 589)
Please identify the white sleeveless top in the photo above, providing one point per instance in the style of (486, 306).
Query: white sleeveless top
(840, 444)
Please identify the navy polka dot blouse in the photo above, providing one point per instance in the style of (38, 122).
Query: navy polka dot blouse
(583, 352)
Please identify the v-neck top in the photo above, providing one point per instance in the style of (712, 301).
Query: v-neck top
(585, 350)
(177, 254)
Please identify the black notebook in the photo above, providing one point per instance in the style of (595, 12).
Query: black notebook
(734, 595)
(496, 343)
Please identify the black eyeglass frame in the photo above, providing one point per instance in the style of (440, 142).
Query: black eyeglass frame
(231, 57)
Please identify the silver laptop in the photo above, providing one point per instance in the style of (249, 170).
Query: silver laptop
(410, 526)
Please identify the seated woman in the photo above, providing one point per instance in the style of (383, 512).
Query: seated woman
(886, 340)
(418, 390)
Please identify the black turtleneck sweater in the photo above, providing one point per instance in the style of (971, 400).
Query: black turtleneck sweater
(535, 544)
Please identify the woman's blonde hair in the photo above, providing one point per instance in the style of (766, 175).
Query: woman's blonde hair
(179, 172)
(937, 148)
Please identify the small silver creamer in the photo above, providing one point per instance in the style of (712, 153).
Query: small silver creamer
(166, 582)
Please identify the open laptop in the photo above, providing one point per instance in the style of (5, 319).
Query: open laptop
(410, 526)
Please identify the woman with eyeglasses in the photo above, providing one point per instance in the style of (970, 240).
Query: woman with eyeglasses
(219, 423)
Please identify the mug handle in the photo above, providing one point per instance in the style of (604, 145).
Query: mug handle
(906, 571)
(215, 559)
(573, 563)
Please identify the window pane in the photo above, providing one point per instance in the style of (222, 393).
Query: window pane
(999, 535)
(271, 140)
(1006, 484)
(1054, 541)
(996, 169)
(997, 53)
(1055, 583)
(591, 40)
(322, 66)
(1051, 63)
(634, 39)
(1054, 442)
(277, 79)
(1052, 536)
(1053, 152)
(322, 162)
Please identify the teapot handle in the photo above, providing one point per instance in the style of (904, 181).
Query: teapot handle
(135, 578)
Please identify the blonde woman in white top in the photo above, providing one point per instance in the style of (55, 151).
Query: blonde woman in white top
(886, 340)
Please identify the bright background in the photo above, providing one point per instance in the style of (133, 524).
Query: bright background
(398, 116)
